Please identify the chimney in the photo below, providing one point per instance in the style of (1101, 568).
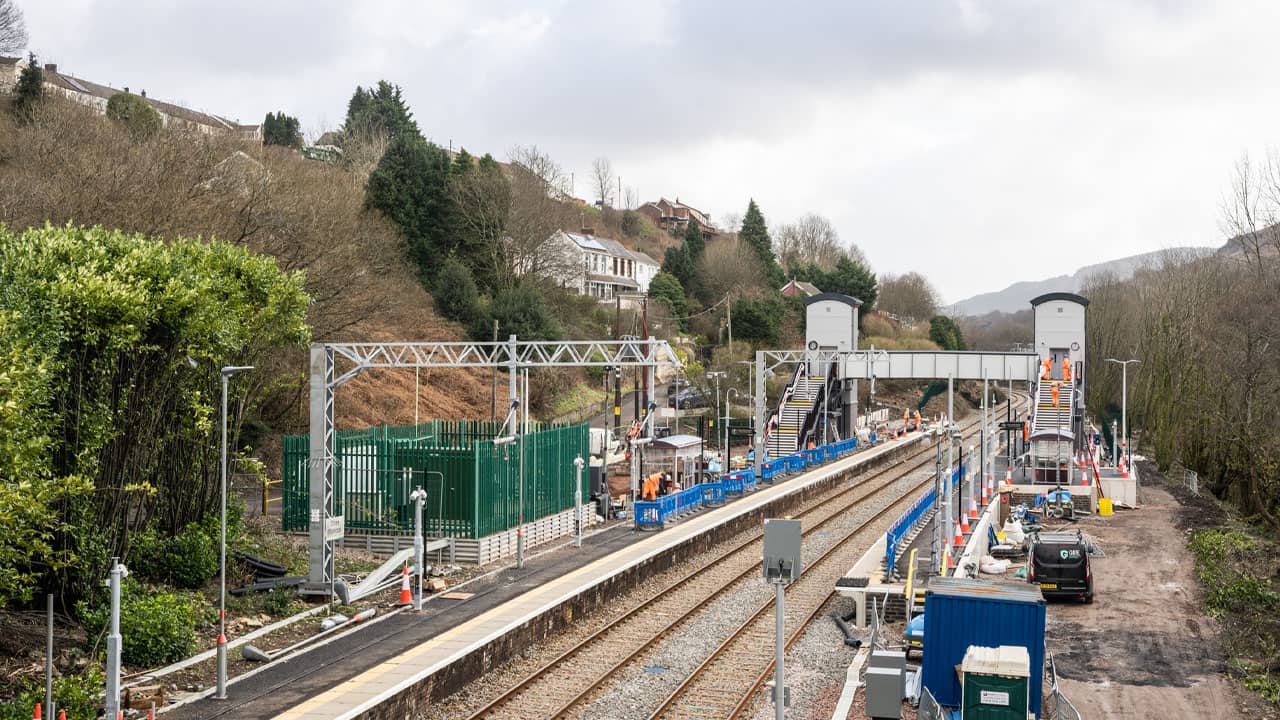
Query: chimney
(144, 93)
(51, 67)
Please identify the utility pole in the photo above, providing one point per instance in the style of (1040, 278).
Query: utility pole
(729, 318)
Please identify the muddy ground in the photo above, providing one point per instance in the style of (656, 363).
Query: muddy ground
(1145, 648)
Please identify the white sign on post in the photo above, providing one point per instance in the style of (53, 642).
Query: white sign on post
(334, 527)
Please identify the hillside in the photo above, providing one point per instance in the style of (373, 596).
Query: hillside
(1016, 296)
(75, 167)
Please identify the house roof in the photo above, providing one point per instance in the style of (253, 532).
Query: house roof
(586, 242)
(1069, 297)
(88, 87)
(642, 258)
(613, 280)
(806, 287)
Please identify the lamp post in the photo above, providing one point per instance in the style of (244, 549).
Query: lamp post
(1124, 405)
(221, 693)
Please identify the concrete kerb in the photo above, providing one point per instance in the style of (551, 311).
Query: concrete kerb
(440, 680)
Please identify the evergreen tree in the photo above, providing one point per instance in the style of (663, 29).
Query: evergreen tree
(693, 241)
(944, 331)
(283, 130)
(29, 91)
(759, 319)
(677, 263)
(665, 287)
(756, 234)
(852, 278)
(522, 311)
(410, 186)
(463, 163)
(138, 117)
(380, 109)
(488, 164)
(456, 295)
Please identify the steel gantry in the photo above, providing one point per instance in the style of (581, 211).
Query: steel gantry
(325, 527)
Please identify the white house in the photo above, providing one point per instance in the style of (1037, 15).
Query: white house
(603, 267)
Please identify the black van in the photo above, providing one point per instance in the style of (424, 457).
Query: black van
(1060, 566)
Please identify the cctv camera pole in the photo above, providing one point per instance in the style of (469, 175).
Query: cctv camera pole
(117, 574)
(418, 496)
(577, 501)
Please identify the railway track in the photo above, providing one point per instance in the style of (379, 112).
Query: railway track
(727, 682)
(568, 682)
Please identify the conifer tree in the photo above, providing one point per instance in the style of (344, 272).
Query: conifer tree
(756, 234)
(29, 91)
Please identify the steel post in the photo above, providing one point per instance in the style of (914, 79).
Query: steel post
(760, 395)
(48, 657)
(118, 573)
(780, 641)
(221, 692)
(577, 501)
(418, 496)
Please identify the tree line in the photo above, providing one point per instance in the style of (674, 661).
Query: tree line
(1205, 330)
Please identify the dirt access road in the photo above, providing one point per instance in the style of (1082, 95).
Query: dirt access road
(1145, 648)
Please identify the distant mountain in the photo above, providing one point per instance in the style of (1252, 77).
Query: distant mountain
(1018, 295)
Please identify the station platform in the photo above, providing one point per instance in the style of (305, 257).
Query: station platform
(403, 664)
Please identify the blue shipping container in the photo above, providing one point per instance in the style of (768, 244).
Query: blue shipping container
(959, 612)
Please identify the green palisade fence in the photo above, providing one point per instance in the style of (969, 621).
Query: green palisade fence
(472, 485)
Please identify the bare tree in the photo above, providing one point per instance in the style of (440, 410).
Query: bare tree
(731, 267)
(908, 296)
(602, 177)
(536, 213)
(813, 240)
(13, 28)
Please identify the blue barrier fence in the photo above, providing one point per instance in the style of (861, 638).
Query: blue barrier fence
(908, 520)
(655, 513)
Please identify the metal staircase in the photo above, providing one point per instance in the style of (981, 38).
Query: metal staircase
(799, 400)
(1050, 417)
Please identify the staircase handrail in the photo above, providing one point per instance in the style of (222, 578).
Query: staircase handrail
(782, 401)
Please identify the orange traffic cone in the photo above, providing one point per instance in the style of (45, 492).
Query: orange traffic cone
(1008, 476)
(986, 493)
(959, 541)
(1124, 469)
(973, 510)
(964, 523)
(406, 595)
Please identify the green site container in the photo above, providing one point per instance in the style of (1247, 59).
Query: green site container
(995, 683)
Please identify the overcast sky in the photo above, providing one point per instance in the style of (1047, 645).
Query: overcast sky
(956, 138)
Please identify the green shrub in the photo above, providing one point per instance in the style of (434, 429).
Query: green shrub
(192, 556)
(156, 627)
(278, 600)
(79, 695)
(138, 117)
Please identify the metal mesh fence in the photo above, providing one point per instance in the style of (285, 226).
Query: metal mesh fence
(472, 485)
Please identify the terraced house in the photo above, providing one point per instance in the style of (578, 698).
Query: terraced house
(603, 267)
(94, 95)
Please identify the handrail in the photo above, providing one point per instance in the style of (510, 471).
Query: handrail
(787, 392)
